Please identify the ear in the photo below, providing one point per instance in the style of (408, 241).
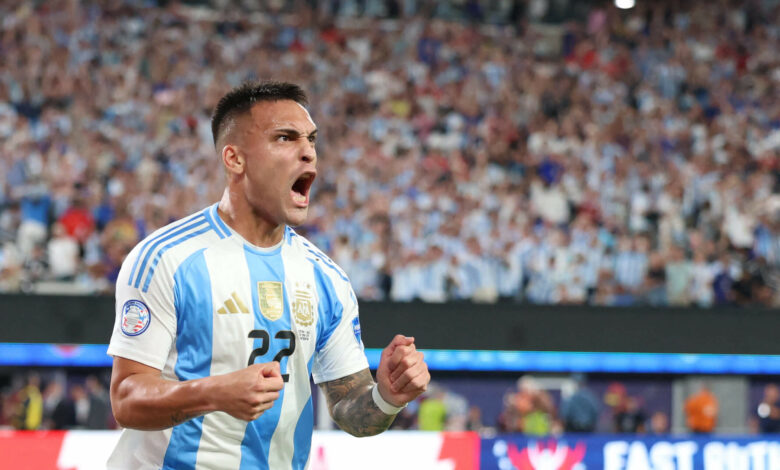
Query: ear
(234, 162)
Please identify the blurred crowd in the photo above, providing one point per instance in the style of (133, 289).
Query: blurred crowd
(56, 401)
(500, 150)
(65, 399)
(544, 407)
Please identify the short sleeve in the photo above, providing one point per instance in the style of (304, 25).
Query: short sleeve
(342, 353)
(145, 325)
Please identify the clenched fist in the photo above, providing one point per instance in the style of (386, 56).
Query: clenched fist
(248, 393)
(402, 374)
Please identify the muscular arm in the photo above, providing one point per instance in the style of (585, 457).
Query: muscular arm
(351, 405)
(142, 399)
(402, 376)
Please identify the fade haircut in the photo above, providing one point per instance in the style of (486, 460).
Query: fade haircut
(240, 100)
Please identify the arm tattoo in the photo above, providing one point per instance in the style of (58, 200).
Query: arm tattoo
(351, 405)
(178, 417)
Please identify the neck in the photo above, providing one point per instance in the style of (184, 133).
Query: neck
(235, 211)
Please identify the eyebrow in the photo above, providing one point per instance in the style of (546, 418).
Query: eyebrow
(295, 133)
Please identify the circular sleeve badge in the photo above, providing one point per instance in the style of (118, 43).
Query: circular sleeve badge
(135, 318)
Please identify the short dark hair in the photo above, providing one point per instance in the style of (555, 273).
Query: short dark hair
(240, 100)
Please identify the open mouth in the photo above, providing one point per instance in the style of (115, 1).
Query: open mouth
(300, 188)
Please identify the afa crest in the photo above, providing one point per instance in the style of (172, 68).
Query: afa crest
(271, 299)
(303, 307)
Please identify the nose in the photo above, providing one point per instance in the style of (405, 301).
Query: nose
(309, 152)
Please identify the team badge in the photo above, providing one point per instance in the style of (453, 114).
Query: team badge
(271, 299)
(135, 318)
(303, 307)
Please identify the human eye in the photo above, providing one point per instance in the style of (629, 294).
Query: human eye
(283, 138)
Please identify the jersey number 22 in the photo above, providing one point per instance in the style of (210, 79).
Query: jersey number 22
(266, 344)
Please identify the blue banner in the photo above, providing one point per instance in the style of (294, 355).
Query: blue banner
(621, 452)
(94, 355)
(54, 355)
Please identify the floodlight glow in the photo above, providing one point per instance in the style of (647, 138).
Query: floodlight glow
(625, 4)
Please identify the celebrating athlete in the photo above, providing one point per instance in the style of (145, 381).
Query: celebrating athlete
(223, 316)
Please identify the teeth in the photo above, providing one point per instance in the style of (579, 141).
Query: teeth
(297, 197)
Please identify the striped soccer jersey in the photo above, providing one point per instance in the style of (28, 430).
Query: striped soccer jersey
(195, 299)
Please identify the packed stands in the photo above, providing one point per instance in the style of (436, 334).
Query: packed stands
(493, 152)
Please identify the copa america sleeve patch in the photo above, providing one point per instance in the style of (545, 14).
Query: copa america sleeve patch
(135, 317)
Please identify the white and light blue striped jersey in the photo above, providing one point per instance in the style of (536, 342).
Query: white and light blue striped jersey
(194, 299)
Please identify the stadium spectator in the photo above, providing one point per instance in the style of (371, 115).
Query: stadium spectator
(580, 411)
(99, 415)
(678, 278)
(474, 420)
(52, 395)
(35, 267)
(77, 221)
(10, 268)
(659, 423)
(701, 411)
(655, 282)
(627, 413)
(6, 409)
(63, 254)
(702, 277)
(769, 410)
(528, 410)
(630, 417)
(72, 410)
(722, 283)
(630, 262)
(432, 414)
(35, 203)
(29, 405)
(442, 409)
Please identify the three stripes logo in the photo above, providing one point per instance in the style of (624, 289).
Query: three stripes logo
(233, 304)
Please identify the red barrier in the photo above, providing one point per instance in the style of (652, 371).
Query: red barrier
(331, 450)
(31, 450)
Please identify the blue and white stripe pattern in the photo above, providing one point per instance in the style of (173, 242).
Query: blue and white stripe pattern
(214, 299)
(630, 268)
(163, 240)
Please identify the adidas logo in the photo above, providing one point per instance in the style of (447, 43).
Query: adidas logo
(233, 305)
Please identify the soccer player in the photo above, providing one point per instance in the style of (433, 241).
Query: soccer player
(222, 317)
